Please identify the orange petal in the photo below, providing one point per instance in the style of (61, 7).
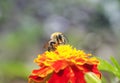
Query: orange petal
(59, 65)
(34, 79)
(43, 71)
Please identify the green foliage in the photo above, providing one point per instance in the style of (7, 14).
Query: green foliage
(14, 69)
(113, 67)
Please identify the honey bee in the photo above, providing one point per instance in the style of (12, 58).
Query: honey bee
(56, 39)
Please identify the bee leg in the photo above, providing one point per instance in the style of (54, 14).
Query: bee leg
(52, 46)
(49, 49)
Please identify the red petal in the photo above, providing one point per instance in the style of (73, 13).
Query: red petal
(59, 65)
(96, 71)
(68, 75)
(92, 68)
(78, 75)
(62, 76)
(35, 79)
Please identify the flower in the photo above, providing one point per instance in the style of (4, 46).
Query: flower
(64, 65)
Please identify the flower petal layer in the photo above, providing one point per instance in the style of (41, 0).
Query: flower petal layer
(65, 64)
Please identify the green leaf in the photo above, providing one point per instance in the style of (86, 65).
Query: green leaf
(116, 66)
(113, 67)
(115, 63)
(104, 65)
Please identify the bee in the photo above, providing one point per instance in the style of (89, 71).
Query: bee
(56, 39)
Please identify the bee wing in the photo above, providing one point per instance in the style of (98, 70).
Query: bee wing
(45, 46)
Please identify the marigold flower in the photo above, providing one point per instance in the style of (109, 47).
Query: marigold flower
(64, 65)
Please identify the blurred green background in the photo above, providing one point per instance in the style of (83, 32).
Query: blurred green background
(26, 25)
